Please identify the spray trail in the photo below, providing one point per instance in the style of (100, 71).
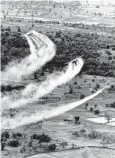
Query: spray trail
(19, 121)
(42, 50)
(34, 91)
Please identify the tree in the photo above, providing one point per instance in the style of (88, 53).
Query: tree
(5, 134)
(108, 116)
(73, 145)
(104, 142)
(96, 112)
(3, 144)
(71, 90)
(91, 109)
(76, 119)
(86, 105)
(19, 29)
(113, 105)
(82, 96)
(44, 138)
(63, 144)
(52, 147)
(13, 143)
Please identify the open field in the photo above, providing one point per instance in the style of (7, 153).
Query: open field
(97, 152)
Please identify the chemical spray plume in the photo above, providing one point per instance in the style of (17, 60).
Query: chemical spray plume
(19, 121)
(42, 50)
(35, 91)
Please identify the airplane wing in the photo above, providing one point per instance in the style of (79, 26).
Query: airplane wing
(37, 41)
(74, 60)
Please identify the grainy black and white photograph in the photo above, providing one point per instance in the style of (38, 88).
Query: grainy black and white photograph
(57, 78)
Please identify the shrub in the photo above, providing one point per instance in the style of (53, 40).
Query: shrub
(19, 134)
(83, 130)
(75, 83)
(63, 144)
(91, 109)
(52, 147)
(13, 143)
(5, 134)
(86, 105)
(109, 58)
(96, 112)
(82, 96)
(108, 52)
(76, 119)
(108, 116)
(93, 80)
(94, 134)
(97, 86)
(44, 138)
(113, 105)
(3, 144)
(16, 135)
(36, 136)
(108, 47)
(77, 134)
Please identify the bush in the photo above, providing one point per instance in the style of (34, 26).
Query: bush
(108, 52)
(5, 134)
(16, 135)
(109, 58)
(113, 105)
(52, 147)
(108, 116)
(63, 144)
(91, 109)
(3, 144)
(76, 119)
(19, 134)
(13, 143)
(96, 112)
(82, 96)
(83, 130)
(86, 105)
(108, 47)
(77, 134)
(36, 136)
(94, 134)
(44, 138)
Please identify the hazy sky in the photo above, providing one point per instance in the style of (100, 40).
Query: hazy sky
(89, 1)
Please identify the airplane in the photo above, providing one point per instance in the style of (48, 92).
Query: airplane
(34, 42)
(38, 39)
(74, 61)
(35, 37)
(39, 123)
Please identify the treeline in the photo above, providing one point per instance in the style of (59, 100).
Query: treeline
(10, 88)
(13, 47)
(69, 46)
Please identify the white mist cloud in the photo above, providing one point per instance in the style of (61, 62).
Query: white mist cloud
(46, 114)
(35, 91)
(38, 58)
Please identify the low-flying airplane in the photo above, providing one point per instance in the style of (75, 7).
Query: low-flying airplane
(74, 61)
